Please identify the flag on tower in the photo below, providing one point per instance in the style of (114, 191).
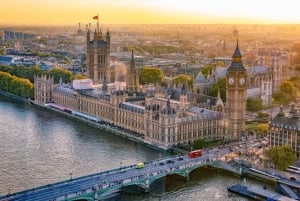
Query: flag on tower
(95, 17)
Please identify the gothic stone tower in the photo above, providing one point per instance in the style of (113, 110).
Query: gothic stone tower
(43, 87)
(98, 56)
(132, 78)
(236, 96)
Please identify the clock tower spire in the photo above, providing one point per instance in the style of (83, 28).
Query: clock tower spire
(236, 88)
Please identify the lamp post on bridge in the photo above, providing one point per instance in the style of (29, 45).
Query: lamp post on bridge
(95, 190)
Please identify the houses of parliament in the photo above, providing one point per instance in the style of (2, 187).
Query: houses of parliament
(162, 117)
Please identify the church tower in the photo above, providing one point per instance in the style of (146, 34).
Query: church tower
(132, 77)
(98, 56)
(236, 88)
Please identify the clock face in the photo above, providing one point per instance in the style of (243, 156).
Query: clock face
(230, 81)
(242, 81)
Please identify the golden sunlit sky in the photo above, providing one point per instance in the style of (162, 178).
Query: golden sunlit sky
(70, 12)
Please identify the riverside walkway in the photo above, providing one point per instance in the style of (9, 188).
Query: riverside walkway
(103, 184)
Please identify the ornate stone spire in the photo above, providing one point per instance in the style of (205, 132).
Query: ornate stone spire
(237, 63)
(104, 85)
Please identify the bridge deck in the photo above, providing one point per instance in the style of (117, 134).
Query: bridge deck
(110, 180)
(289, 192)
(290, 183)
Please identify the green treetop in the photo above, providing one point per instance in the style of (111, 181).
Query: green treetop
(149, 75)
(281, 156)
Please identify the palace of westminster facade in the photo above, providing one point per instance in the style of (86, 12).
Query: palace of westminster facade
(163, 119)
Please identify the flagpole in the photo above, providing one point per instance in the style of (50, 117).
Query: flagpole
(98, 23)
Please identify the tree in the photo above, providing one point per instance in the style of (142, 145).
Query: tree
(15, 85)
(262, 129)
(2, 51)
(287, 92)
(5, 68)
(281, 156)
(296, 81)
(219, 85)
(254, 104)
(58, 73)
(183, 79)
(206, 70)
(22, 71)
(150, 75)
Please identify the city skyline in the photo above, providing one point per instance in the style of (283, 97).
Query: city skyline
(68, 12)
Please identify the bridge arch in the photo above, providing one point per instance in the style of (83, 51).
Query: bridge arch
(195, 168)
(83, 198)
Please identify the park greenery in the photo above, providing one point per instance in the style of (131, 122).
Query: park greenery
(182, 46)
(15, 85)
(29, 73)
(183, 79)
(254, 104)
(281, 156)
(261, 129)
(19, 80)
(149, 75)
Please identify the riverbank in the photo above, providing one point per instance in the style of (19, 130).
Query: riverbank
(14, 97)
(103, 126)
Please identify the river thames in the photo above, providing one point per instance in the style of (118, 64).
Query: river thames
(40, 147)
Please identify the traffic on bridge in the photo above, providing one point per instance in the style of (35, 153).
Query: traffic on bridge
(100, 184)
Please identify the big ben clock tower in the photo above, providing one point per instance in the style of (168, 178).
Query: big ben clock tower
(236, 86)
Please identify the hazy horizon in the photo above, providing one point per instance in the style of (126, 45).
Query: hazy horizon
(135, 12)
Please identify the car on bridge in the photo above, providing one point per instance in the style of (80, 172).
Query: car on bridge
(140, 165)
(170, 161)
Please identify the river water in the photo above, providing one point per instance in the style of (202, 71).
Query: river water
(38, 147)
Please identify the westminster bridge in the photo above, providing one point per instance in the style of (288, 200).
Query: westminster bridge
(105, 184)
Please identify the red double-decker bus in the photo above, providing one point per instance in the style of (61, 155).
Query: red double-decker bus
(195, 154)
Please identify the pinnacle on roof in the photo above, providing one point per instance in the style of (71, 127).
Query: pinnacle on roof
(132, 56)
(237, 52)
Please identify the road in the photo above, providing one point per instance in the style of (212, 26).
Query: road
(87, 184)
(77, 186)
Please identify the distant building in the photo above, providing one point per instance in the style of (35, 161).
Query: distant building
(5, 60)
(13, 35)
(285, 130)
(277, 60)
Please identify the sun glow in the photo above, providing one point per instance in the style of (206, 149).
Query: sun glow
(149, 11)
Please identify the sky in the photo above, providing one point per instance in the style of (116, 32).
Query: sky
(70, 12)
